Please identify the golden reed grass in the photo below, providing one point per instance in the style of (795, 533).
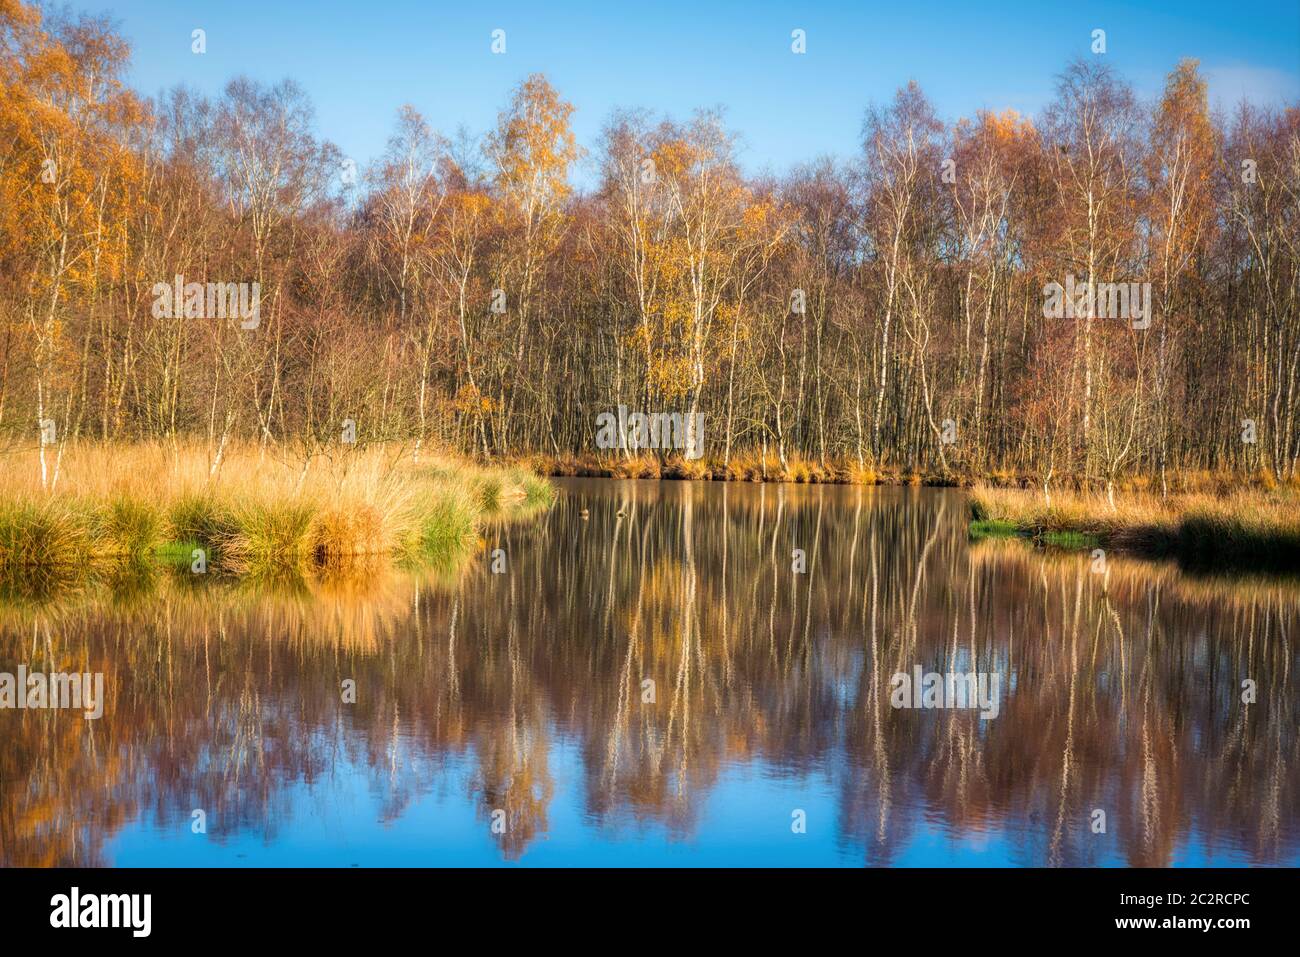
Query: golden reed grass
(755, 466)
(254, 507)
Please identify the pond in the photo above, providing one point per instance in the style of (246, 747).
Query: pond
(669, 673)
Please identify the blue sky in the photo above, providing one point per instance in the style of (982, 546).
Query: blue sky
(360, 61)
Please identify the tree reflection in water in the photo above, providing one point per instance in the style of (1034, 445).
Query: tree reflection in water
(1120, 691)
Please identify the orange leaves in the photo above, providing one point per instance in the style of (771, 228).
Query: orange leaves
(670, 377)
(1006, 140)
(470, 401)
(757, 216)
(475, 203)
(1007, 126)
(673, 158)
(533, 145)
(71, 180)
(1181, 162)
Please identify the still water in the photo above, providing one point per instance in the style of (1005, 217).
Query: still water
(656, 684)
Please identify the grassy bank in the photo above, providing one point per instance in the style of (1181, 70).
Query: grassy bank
(1249, 529)
(742, 467)
(755, 467)
(257, 508)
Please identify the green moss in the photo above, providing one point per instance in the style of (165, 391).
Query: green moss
(1071, 540)
(181, 553)
(993, 528)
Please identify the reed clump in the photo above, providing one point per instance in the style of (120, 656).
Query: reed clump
(33, 532)
(251, 508)
(441, 521)
(126, 527)
(538, 493)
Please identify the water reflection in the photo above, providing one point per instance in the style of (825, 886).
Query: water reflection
(529, 693)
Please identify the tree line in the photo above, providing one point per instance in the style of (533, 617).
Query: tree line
(884, 310)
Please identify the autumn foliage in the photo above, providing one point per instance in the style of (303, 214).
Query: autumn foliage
(883, 312)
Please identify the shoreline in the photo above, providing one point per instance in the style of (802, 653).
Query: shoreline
(1256, 530)
(249, 511)
(799, 471)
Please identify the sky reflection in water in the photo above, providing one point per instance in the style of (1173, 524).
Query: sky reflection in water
(523, 692)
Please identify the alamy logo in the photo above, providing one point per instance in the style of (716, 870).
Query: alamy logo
(948, 689)
(134, 911)
(37, 691)
(1100, 300)
(213, 300)
(657, 430)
